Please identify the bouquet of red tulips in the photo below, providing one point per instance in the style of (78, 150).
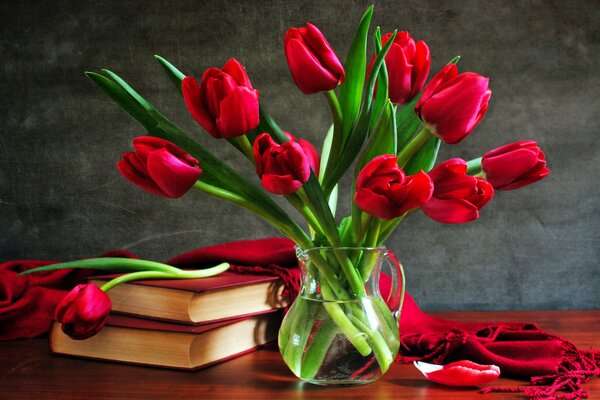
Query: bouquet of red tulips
(387, 127)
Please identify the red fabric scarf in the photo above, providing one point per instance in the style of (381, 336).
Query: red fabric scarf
(555, 366)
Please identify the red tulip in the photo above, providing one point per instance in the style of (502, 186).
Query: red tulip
(83, 311)
(224, 104)
(314, 159)
(159, 167)
(514, 165)
(459, 373)
(457, 197)
(452, 105)
(283, 168)
(407, 66)
(314, 65)
(382, 189)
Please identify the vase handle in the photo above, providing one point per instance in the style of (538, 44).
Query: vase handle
(395, 297)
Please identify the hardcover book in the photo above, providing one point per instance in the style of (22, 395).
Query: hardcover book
(198, 301)
(161, 344)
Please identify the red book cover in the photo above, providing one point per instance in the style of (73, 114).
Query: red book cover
(224, 280)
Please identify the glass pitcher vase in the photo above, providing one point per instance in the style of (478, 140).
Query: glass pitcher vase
(340, 330)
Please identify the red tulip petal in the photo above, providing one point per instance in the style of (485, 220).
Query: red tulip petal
(374, 204)
(237, 71)
(455, 109)
(444, 75)
(281, 184)
(459, 373)
(421, 64)
(420, 191)
(135, 176)
(193, 101)
(238, 112)
(507, 148)
(322, 49)
(450, 211)
(506, 168)
(314, 159)
(173, 176)
(399, 74)
(308, 73)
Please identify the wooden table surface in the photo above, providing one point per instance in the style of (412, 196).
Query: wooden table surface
(29, 371)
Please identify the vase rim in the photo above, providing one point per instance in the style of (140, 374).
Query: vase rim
(300, 250)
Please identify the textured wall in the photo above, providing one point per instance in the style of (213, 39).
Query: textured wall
(62, 198)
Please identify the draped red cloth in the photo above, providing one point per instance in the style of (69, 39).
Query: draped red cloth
(554, 366)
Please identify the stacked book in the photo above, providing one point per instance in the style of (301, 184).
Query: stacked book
(183, 324)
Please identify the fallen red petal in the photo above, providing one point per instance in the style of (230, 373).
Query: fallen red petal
(459, 373)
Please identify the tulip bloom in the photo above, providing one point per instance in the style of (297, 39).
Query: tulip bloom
(452, 105)
(224, 104)
(159, 167)
(83, 311)
(283, 168)
(407, 66)
(514, 165)
(314, 65)
(384, 191)
(457, 197)
(314, 159)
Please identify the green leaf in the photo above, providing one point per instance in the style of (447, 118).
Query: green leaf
(270, 126)
(454, 60)
(345, 230)
(215, 172)
(360, 131)
(325, 152)
(174, 74)
(424, 159)
(382, 140)
(125, 101)
(355, 67)
(407, 123)
(381, 95)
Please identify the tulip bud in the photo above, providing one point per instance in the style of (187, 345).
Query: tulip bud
(407, 66)
(452, 104)
(224, 104)
(314, 65)
(314, 159)
(283, 168)
(514, 165)
(83, 311)
(457, 197)
(159, 167)
(384, 191)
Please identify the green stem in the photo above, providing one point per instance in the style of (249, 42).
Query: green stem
(336, 143)
(413, 146)
(293, 232)
(246, 147)
(303, 209)
(181, 274)
(380, 348)
(315, 354)
(373, 233)
(367, 264)
(110, 264)
(474, 166)
(337, 314)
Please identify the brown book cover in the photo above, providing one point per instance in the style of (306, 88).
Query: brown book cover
(161, 344)
(197, 301)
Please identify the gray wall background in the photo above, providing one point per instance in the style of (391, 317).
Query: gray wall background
(61, 196)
